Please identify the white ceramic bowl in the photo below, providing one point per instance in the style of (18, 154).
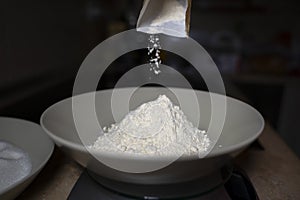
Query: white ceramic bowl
(243, 124)
(32, 139)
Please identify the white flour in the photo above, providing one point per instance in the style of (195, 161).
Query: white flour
(170, 17)
(154, 53)
(154, 128)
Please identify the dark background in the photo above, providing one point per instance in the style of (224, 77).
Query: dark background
(255, 43)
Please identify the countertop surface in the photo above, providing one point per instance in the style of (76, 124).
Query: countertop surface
(274, 172)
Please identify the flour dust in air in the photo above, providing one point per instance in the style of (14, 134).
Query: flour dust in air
(154, 54)
(155, 128)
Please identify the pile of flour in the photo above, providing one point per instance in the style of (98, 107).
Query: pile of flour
(155, 128)
(154, 53)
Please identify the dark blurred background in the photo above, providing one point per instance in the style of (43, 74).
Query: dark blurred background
(255, 43)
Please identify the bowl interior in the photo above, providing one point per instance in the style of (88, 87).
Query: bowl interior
(243, 124)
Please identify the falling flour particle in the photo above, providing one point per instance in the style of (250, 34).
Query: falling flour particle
(154, 128)
(154, 53)
(14, 164)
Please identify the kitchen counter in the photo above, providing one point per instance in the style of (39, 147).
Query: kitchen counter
(274, 172)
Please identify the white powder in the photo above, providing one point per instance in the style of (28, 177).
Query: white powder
(14, 164)
(170, 17)
(171, 11)
(154, 128)
(154, 53)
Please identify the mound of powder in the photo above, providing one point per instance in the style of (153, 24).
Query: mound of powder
(155, 128)
(15, 164)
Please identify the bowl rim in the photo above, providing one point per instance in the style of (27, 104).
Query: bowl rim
(214, 153)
